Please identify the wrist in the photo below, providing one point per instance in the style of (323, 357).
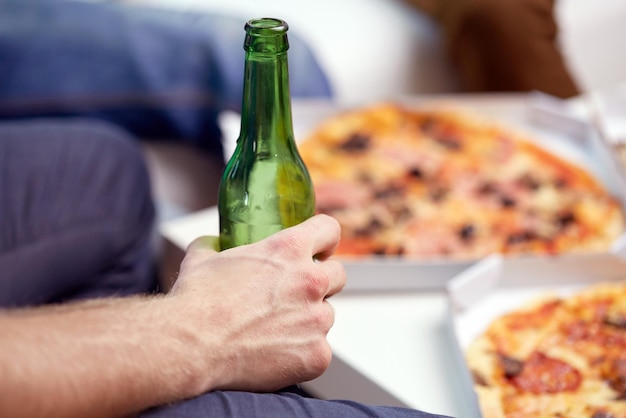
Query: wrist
(195, 364)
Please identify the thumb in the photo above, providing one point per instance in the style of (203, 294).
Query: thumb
(206, 243)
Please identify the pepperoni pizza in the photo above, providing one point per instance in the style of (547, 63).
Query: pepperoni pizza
(556, 357)
(437, 183)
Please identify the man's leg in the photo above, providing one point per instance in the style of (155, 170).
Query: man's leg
(265, 405)
(76, 214)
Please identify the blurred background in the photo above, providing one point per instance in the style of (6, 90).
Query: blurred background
(373, 49)
(170, 71)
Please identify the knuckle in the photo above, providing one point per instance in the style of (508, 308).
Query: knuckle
(286, 244)
(324, 317)
(316, 283)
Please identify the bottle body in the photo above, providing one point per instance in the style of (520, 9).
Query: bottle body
(277, 195)
(265, 186)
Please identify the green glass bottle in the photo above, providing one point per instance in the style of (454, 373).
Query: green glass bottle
(265, 186)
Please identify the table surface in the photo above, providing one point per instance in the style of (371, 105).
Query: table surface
(394, 347)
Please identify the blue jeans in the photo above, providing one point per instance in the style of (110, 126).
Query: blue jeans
(76, 214)
(273, 405)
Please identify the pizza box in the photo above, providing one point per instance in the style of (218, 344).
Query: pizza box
(571, 138)
(367, 275)
(496, 285)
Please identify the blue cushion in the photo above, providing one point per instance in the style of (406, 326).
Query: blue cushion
(160, 74)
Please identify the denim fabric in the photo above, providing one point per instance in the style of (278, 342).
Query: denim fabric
(161, 74)
(225, 404)
(76, 214)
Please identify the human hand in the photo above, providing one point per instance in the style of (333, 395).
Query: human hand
(260, 311)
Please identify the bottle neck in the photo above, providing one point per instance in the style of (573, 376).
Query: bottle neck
(266, 106)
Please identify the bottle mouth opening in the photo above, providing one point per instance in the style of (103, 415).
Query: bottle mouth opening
(267, 26)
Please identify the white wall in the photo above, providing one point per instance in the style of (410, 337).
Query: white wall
(593, 40)
(371, 49)
(374, 49)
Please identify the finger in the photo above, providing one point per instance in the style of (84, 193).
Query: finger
(325, 233)
(207, 243)
(336, 273)
(329, 306)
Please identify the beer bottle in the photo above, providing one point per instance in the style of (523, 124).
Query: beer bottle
(265, 186)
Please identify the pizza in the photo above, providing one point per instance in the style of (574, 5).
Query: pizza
(557, 357)
(444, 183)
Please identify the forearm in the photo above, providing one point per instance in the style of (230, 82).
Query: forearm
(99, 358)
(251, 318)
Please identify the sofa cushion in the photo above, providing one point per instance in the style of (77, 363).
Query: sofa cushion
(161, 74)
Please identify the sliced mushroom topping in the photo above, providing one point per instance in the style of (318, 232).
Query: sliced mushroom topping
(619, 385)
(479, 379)
(448, 141)
(602, 414)
(403, 213)
(507, 202)
(390, 251)
(521, 237)
(388, 192)
(415, 173)
(356, 143)
(487, 189)
(379, 251)
(399, 251)
(529, 182)
(428, 124)
(437, 194)
(617, 377)
(370, 229)
(511, 367)
(467, 232)
(566, 219)
(617, 321)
